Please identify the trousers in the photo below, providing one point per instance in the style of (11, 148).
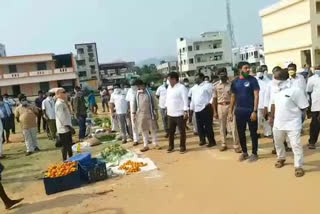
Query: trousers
(66, 142)
(82, 126)
(122, 121)
(295, 141)
(242, 121)
(52, 128)
(164, 118)
(204, 123)
(135, 131)
(314, 128)
(145, 135)
(1, 139)
(263, 123)
(223, 111)
(173, 122)
(30, 138)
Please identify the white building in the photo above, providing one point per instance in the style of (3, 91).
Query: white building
(2, 50)
(207, 53)
(167, 67)
(254, 54)
(88, 65)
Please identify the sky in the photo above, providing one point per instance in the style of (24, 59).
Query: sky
(123, 29)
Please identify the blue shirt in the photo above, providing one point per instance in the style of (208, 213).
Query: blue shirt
(92, 100)
(244, 92)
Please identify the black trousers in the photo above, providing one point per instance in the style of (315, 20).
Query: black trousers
(204, 120)
(314, 128)
(44, 123)
(66, 142)
(242, 122)
(173, 123)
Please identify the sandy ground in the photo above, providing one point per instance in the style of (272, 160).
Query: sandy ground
(202, 181)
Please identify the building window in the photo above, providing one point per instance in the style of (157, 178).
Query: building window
(198, 59)
(184, 61)
(261, 56)
(90, 48)
(190, 61)
(173, 68)
(319, 30)
(81, 62)
(197, 47)
(183, 50)
(82, 73)
(189, 48)
(247, 55)
(41, 66)
(256, 54)
(12, 69)
(93, 69)
(318, 6)
(91, 57)
(80, 51)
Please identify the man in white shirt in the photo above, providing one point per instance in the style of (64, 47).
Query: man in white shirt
(48, 107)
(193, 116)
(263, 84)
(161, 94)
(177, 110)
(287, 107)
(313, 89)
(201, 105)
(297, 80)
(119, 110)
(130, 98)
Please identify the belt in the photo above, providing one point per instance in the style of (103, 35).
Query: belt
(224, 103)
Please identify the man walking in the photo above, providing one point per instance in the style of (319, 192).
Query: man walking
(221, 106)
(80, 111)
(192, 115)
(6, 114)
(161, 93)
(119, 110)
(201, 105)
(245, 95)
(63, 122)
(48, 109)
(38, 103)
(105, 97)
(11, 103)
(27, 115)
(287, 107)
(146, 114)
(313, 89)
(130, 98)
(177, 110)
(92, 103)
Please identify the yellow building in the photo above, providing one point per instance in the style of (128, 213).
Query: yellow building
(291, 32)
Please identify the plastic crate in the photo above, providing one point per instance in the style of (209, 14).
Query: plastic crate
(55, 185)
(96, 171)
(83, 159)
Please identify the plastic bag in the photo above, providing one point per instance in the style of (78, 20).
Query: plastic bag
(80, 148)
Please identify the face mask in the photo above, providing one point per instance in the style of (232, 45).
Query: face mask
(317, 72)
(291, 73)
(186, 84)
(260, 75)
(245, 75)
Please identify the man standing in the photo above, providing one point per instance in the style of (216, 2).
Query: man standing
(38, 103)
(177, 110)
(287, 107)
(27, 115)
(161, 93)
(221, 106)
(92, 103)
(6, 114)
(130, 98)
(297, 80)
(11, 103)
(48, 108)
(105, 97)
(146, 114)
(63, 122)
(313, 89)
(193, 114)
(80, 111)
(263, 84)
(119, 110)
(201, 105)
(245, 95)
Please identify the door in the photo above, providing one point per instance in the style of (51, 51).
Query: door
(16, 90)
(44, 86)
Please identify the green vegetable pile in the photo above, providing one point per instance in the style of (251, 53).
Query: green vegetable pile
(103, 122)
(113, 153)
(106, 138)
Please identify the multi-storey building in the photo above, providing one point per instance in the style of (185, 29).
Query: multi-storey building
(291, 32)
(167, 67)
(116, 72)
(28, 74)
(207, 53)
(2, 50)
(254, 54)
(88, 65)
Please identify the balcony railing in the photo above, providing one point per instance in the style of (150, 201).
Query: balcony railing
(39, 73)
(15, 75)
(63, 70)
(36, 73)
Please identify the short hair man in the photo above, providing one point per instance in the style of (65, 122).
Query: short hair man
(161, 94)
(49, 113)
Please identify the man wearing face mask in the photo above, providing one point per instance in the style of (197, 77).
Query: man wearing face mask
(26, 114)
(6, 120)
(313, 90)
(297, 80)
(161, 94)
(221, 107)
(286, 111)
(263, 84)
(119, 110)
(130, 98)
(48, 108)
(80, 111)
(245, 95)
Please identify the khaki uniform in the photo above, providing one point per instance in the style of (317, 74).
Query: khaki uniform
(222, 91)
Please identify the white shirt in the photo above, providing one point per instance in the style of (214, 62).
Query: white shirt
(190, 93)
(289, 103)
(263, 84)
(120, 103)
(63, 116)
(202, 96)
(177, 100)
(48, 106)
(313, 87)
(162, 93)
(131, 95)
(299, 82)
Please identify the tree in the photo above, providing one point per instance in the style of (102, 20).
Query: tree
(148, 73)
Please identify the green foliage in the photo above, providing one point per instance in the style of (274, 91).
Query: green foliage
(148, 73)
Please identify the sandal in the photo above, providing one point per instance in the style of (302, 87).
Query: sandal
(280, 164)
(299, 172)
